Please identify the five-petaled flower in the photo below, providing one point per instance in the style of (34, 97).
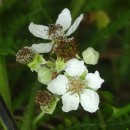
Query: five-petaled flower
(54, 32)
(76, 88)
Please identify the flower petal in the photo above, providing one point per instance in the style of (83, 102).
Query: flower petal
(70, 102)
(75, 67)
(42, 47)
(94, 80)
(89, 100)
(75, 25)
(64, 19)
(39, 30)
(58, 85)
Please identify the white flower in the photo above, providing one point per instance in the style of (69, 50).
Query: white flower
(75, 90)
(61, 29)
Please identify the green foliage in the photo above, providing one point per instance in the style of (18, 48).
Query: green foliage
(112, 42)
(119, 22)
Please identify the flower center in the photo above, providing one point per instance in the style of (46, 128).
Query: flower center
(55, 32)
(66, 49)
(76, 85)
(25, 55)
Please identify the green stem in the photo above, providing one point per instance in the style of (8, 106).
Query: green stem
(102, 122)
(28, 115)
(4, 86)
(37, 119)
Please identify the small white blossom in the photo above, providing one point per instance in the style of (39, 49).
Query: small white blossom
(60, 30)
(75, 90)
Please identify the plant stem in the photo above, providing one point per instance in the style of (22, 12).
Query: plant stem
(4, 86)
(37, 119)
(100, 117)
(28, 115)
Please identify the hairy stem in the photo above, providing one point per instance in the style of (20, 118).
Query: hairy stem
(28, 115)
(37, 119)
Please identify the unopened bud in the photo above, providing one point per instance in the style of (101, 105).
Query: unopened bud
(90, 56)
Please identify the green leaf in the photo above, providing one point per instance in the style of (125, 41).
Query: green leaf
(119, 112)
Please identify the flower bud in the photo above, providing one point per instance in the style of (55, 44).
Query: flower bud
(44, 75)
(90, 56)
(102, 19)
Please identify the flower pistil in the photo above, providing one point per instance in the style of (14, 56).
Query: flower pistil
(76, 85)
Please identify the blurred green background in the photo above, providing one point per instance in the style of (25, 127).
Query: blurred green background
(105, 27)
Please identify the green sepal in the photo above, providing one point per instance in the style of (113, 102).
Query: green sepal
(60, 65)
(50, 64)
(84, 75)
(50, 109)
(36, 63)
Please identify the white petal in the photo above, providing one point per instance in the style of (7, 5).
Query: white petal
(42, 47)
(70, 102)
(75, 67)
(59, 85)
(94, 80)
(89, 100)
(75, 25)
(64, 19)
(39, 30)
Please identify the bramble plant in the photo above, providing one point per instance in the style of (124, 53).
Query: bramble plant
(52, 76)
(63, 70)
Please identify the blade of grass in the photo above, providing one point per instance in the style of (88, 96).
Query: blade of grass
(4, 86)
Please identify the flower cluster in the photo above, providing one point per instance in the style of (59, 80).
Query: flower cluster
(62, 69)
